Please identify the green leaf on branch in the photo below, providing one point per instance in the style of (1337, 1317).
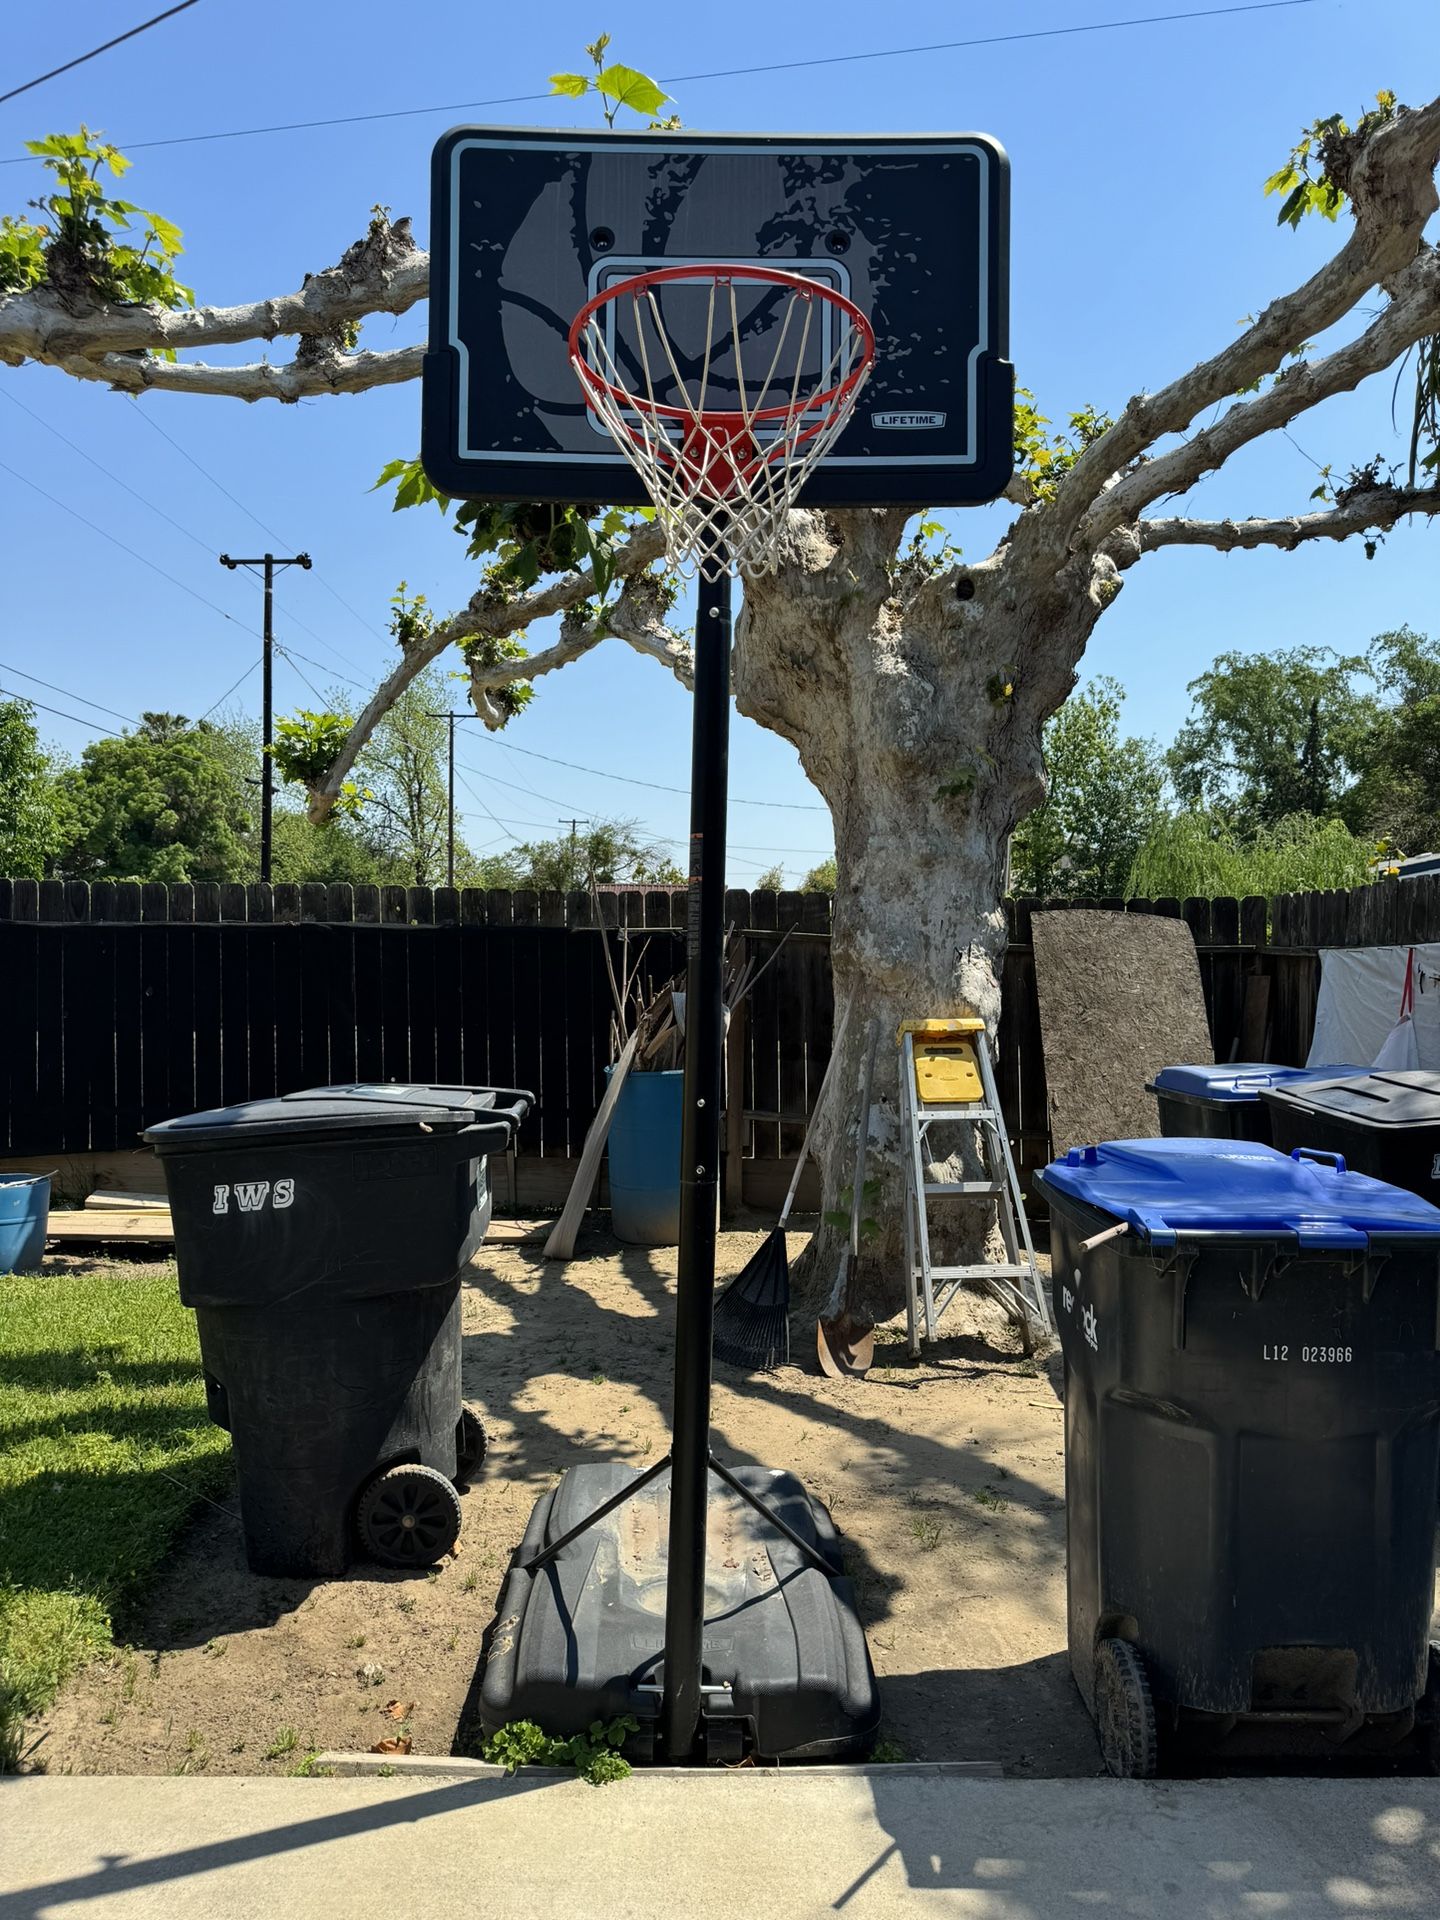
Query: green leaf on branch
(75, 247)
(412, 485)
(629, 88)
(573, 85)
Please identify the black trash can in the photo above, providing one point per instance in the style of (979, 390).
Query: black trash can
(1223, 1102)
(320, 1240)
(1384, 1124)
(1252, 1441)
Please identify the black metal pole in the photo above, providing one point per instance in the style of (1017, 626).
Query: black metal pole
(699, 1177)
(450, 840)
(267, 717)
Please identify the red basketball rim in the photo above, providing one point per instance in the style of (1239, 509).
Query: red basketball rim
(729, 420)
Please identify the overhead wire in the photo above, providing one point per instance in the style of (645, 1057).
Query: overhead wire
(671, 840)
(171, 521)
(9, 693)
(69, 511)
(232, 688)
(269, 532)
(134, 492)
(69, 693)
(183, 6)
(728, 73)
(629, 780)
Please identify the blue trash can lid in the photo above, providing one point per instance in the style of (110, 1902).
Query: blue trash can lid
(317, 1112)
(1239, 1080)
(1238, 1188)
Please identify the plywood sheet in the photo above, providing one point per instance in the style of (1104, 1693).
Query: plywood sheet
(1120, 997)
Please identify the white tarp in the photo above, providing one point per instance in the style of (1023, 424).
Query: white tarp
(1359, 1004)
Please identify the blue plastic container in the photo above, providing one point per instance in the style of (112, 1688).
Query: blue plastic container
(24, 1217)
(1225, 1102)
(645, 1159)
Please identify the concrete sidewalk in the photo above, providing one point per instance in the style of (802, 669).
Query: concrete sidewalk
(887, 1841)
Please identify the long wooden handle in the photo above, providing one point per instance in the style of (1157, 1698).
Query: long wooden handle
(862, 1137)
(835, 1051)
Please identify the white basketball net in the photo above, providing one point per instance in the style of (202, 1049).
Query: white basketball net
(723, 481)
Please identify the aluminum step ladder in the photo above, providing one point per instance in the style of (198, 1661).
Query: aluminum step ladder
(946, 1078)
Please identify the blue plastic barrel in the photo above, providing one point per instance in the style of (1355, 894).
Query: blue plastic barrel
(645, 1159)
(24, 1216)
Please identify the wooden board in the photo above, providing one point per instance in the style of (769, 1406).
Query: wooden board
(1120, 997)
(106, 1226)
(112, 1202)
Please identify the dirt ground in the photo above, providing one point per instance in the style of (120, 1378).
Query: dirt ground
(945, 1479)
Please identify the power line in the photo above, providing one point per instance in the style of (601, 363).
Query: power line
(75, 447)
(737, 800)
(727, 73)
(669, 839)
(79, 61)
(10, 694)
(253, 667)
(69, 694)
(285, 654)
(205, 474)
(70, 512)
(194, 538)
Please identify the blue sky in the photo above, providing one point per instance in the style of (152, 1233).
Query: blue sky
(1140, 239)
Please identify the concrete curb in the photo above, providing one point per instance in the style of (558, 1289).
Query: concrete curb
(444, 1766)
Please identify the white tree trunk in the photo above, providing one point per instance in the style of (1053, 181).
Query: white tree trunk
(915, 699)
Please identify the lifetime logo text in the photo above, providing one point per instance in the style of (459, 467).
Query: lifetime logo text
(251, 1195)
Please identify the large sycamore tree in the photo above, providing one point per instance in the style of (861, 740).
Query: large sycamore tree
(914, 688)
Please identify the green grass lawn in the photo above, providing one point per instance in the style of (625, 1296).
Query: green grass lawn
(101, 1403)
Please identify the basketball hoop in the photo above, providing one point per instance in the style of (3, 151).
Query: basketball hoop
(723, 478)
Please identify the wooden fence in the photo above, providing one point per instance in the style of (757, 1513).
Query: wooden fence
(122, 1004)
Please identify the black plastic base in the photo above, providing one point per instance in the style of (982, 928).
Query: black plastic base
(786, 1669)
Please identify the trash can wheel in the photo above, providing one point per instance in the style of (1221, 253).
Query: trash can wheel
(1125, 1712)
(409, 1516)
(470, 1445)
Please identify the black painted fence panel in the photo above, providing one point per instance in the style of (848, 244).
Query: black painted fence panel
(123, 1004)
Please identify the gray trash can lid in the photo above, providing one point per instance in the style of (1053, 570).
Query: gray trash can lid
(361, 1110)
(1371, 1100)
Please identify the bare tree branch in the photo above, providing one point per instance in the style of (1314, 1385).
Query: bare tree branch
(1411, 314)
(295, 380)
(383, 273)
(494, 615)
(1372, 509)
(578, 636)
(1392, 194)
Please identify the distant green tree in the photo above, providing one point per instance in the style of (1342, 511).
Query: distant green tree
(1272, 734)
(1104, 799)
(161, 803)
(820, 879)
(608, 853)
(31, 830)
(1201, 855)
(336, 853)
(771, 881)
(1396, 796)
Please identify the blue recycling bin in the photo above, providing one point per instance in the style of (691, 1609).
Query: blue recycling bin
(1227, 1102)
(1252, 1444)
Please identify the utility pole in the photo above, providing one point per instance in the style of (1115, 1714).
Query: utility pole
(269, 562)
(573, 825)
(449, 714)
